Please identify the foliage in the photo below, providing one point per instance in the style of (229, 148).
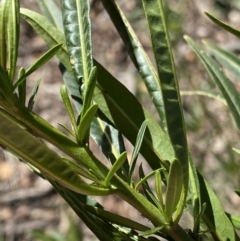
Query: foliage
(107, 111)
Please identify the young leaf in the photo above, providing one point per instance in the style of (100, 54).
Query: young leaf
(227, 88)
(22, 87)
(158, 185)
(118, 164)
(198, 220)
(67, 103)
(66, 129)
(39, 63)
(78, 36)
(174, 189)
(33, 96)
(137, 148)
(85, 123)
(89, 90)
(13, 28)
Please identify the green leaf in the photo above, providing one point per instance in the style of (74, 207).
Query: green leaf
(39, 63)
(198, 220)
(89, 90)
(67, 103)
(214, 215)
(235, 220)
(78, 36)
(33, 96)
(51, 12)
(33, 151)
(13, 28)
(85, 123)
(224, 25)
(50, 34)
(77, 202)
(115, 219)
(174, 189)
(151, 231)
(22, 87)
(158, 185)
(227, 88)
(168, 80)
(117, 165)
(102, 130)
(136, 149)
(236, 150)
(138, 55)
(3, 30)
(156, 146)
(225, 58)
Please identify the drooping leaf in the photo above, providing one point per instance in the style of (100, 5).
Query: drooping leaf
(33, 151)
(39, 63)
(138, 55)
(78, 36)
(227, 88)
(13, 28)
(116, 219)
(174, 189)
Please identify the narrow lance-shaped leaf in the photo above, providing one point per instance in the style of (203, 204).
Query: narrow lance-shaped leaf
(13, 29)
(136, 149)
(78, 36)
(225, 58)
(158, 185)
(224, 25)
(33, 96)
(174, 188)
(118, 163)
(39, 63)
(227, 88)
(51, 12)
(68, 106)
(33, 151)
(85, 123)
(3, 30)
(116, 219)
(168, 80)
(138, 56)
(89, 90)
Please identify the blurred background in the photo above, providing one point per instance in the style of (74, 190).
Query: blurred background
(28, 203)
